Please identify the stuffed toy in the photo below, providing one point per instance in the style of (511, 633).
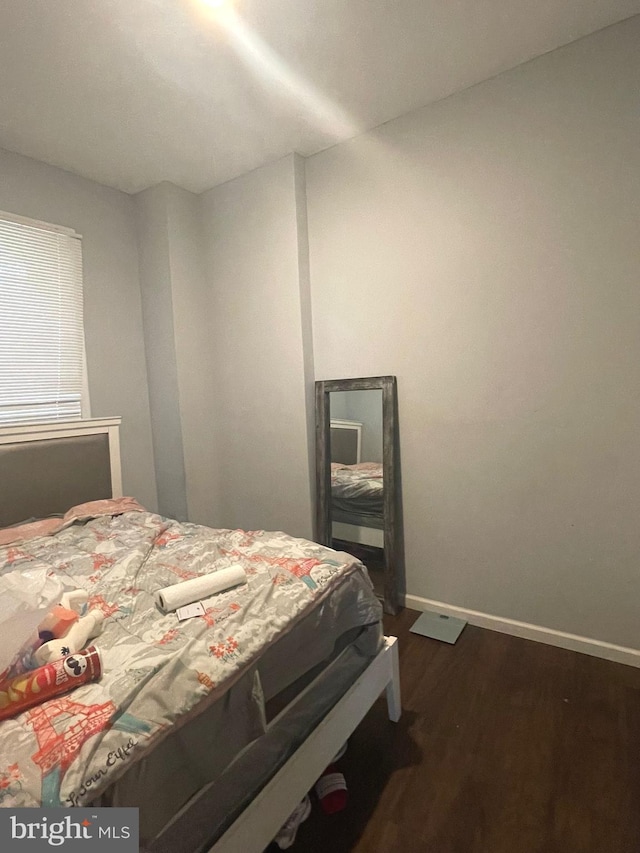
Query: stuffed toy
(64, 631)
(73, 641)
(61, 617)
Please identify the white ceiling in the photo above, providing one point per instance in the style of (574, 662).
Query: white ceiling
(134, 92)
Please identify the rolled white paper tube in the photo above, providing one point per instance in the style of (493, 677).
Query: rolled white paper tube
(179, 594)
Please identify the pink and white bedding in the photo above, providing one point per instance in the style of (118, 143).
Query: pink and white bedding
(158, 673)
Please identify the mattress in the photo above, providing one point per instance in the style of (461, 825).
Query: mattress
(178, 703)
(346, 624)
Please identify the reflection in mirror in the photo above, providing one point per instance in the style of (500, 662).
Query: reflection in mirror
(358, 498)
(357, 483)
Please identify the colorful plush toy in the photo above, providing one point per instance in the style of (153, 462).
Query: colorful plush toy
(64, 631)
(82, 630)
(61, 617)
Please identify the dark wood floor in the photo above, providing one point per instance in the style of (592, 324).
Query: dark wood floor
(504, 746)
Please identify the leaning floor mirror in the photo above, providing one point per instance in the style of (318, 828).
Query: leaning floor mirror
(358, 496)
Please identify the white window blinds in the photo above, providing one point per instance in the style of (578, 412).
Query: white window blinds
(41, 328)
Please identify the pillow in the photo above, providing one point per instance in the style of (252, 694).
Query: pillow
(29, 530)
(48, 526)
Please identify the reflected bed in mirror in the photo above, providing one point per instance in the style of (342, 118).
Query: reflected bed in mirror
(357, 490)
(358, 476)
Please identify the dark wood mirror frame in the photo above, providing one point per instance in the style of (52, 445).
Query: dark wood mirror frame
(393, 538)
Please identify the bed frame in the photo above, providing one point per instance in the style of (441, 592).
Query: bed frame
(21, 460)
(262, 819)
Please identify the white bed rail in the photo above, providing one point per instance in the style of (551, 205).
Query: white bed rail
(259, 823)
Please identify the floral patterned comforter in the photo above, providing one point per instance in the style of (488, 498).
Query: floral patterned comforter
(157, 671)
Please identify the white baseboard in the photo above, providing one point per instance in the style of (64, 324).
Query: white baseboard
(586, 645)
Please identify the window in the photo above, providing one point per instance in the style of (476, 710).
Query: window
(42, 363)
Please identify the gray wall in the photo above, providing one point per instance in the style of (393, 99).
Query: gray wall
(154, 241)
(193, 330)
(177, 311)
(486, 251)
(255, 247)
(113, 321)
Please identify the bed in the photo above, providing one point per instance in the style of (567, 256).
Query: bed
(357, 494)
(214, 727)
